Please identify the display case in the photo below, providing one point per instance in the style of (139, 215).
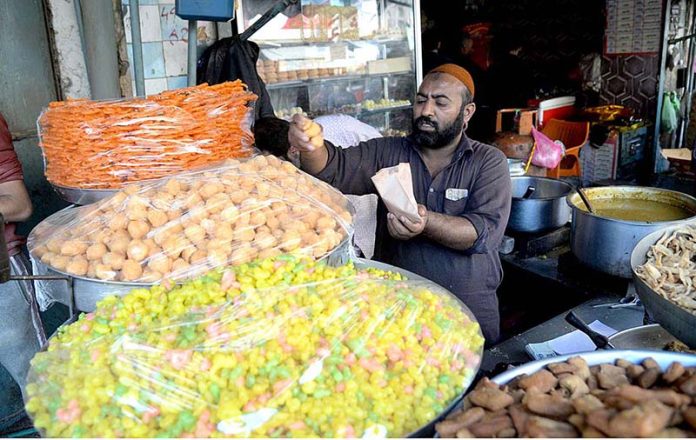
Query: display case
(356, 57)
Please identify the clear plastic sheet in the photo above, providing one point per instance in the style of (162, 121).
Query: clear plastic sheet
(282, 347)
(186, 225)
(107, 144)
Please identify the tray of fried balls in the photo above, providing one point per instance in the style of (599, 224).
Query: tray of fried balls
(613, 393)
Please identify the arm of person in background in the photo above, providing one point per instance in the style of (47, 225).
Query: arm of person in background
(349, 170)
(15, 204)
(481, 225)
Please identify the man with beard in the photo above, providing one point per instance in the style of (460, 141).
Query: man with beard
(462, 187)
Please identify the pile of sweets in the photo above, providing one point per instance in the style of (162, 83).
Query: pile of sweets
(107, 144)
(281, 347)
(183, 226)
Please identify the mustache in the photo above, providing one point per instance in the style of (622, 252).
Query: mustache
(426, 120)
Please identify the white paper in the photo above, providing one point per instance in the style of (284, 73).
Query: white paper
(577, 341)
(395, 187)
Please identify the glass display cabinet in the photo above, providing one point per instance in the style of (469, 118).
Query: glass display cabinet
(356, 57)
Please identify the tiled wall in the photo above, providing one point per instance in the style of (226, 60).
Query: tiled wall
(165, 40)
(631, 80)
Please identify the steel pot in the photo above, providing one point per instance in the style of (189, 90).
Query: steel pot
(605, 244)
(543, 209)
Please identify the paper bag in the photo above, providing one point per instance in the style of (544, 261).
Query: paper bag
(395, 186)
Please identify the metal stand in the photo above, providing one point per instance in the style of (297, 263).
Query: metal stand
(6, 276)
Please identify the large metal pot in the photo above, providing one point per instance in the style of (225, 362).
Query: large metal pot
(544, 209)
(605, 244)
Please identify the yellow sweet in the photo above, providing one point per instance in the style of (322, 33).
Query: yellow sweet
(282, 347)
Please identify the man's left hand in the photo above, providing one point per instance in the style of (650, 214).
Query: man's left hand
(402, 228)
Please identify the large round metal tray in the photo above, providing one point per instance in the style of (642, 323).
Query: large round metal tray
(673, 318)
(663, 358)
(88, 292)
(79, 196)
(92, 291)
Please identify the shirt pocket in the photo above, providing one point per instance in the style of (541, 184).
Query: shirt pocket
(455, 201)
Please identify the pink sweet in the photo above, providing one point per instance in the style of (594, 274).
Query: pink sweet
(178, 358)
(408, 389)
(84, 328)
(94, 355)
(228, 279)
(205, 364)
(296, 426)
(170, 337)
(341, 387)
(370, 365)
(350, 359)
(150, 413)
(89, 316)
(350, 431)
(394, 354)
(281, 385)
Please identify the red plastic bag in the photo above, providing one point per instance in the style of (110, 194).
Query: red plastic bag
(547, 153)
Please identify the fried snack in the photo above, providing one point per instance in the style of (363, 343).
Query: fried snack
(183, 226)
(620, 400)
(108, 144)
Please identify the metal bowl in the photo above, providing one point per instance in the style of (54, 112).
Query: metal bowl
(673, 318)
(546, 207)
(79, 196)
(663, 358)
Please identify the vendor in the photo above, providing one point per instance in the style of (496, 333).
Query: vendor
(462, 187)
(21, 331)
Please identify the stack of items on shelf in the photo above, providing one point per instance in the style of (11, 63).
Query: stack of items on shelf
(288, 113)
(269, 72)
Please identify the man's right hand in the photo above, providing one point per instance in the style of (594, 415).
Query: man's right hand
(307, 137)
(305, 134)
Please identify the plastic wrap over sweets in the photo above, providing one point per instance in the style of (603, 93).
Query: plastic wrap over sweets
(183, 226)
(106, 144)
(282, 347)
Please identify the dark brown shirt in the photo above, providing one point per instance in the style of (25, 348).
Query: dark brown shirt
(475, 186)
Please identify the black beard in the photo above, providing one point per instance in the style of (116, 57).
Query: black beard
(438, 138)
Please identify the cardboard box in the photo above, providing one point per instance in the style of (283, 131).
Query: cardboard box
(390, 65)
(527, 119)
(600, 163)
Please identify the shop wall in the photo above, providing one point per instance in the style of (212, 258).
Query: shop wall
(165, 39)
(631, 81)
(554, 36)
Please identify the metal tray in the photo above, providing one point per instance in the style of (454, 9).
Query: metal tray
(663, 358)
(88, 292)
(79, 196)
(673, 318)
(644, 337)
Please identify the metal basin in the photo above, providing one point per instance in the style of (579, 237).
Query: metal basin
(605, 244)
(669, 315)
(545, 208)
(663, 358)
